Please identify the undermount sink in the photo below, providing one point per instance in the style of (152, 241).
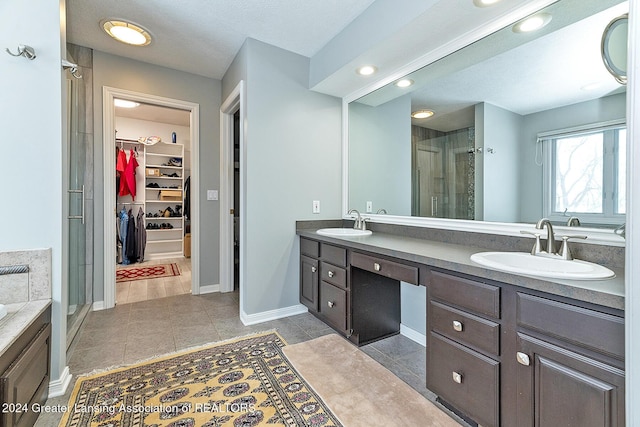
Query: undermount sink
(542, 265)
(343, 232)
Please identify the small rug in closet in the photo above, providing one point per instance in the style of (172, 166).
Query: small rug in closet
(127, 274)
(246, 381)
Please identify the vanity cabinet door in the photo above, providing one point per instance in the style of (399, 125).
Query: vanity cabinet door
(309, 274)
(557, 387)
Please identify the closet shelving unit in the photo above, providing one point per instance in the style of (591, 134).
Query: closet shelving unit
(164, 242)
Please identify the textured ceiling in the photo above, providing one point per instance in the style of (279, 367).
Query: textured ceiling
(203, 36)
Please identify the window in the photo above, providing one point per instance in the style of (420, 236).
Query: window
(586, 175)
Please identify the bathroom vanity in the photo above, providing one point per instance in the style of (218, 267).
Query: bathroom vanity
(502, 349)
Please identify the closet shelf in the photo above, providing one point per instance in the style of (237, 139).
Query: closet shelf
(165, 229)
(163, 217)
(168, 156)
(168, 202)
(164, 177)
(164, 167)
(165, 241)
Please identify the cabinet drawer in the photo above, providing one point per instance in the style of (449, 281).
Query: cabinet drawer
(26, 382)
(591, 329)
(309, 247)
(333, 305)
(469, 294)
(334, 255)
(391, 269)
(465, 328)
(466, 379)
(334, 275)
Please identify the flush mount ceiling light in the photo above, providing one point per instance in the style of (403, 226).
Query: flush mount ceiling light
(366, 70)
(404, 83)
(484, 3)
(126, 32)
(422, 114)
(123, 103)
(532, 23)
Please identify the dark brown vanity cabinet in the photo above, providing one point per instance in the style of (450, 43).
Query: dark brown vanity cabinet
(505, 356)
(463, 345)
(24, 378)
(570, 368)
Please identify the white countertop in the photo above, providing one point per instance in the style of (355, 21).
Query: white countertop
(18, 319)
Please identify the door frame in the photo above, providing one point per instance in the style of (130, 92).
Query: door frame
(109, 165)
(234, 102)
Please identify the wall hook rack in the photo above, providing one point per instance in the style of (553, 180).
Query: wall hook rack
(73, 68)
(23, 50)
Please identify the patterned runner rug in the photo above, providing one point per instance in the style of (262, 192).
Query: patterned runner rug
(244, 382)
(150, 272)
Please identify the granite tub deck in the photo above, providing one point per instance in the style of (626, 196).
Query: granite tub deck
(25, 295)
(456, 257)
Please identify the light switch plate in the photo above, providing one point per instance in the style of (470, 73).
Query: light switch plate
(212, 194)
(316, 207)
(369, 207)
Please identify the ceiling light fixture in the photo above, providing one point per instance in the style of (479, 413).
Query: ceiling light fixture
(123, 103)
(422, 114)
(366, 70)
(532, 23)
(484, 3)
(126, 32)
(404, 83)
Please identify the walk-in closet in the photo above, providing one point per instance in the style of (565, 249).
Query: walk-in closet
(153, 237)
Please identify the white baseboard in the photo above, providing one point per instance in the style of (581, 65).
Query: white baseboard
(97, 305)
(413, 335)
(265, 316)
(207, 289)
(59, 387)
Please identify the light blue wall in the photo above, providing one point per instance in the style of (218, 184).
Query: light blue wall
(502, 130)
(34, 145)
(124, 73)
(413, 302)
(380, 156)
(600, 110)
(293, 157)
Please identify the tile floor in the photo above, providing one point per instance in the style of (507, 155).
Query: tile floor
(140, 330)
(143, 290)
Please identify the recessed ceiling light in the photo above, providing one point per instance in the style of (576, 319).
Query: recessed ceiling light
(123, 103)
(422, 114)
(366, 70)
(404, 83)
(532, 23)
(126, 32)
(484, 3)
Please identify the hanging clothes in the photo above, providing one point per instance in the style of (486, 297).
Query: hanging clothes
(187, 198)
(118, 241)
(132, 248)
(124, 224)
(141, 235)
(128, 176)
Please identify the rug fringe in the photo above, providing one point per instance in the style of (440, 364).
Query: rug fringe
(179, 352)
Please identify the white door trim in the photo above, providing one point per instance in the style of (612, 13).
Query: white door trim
(109, 166)
(234, 102)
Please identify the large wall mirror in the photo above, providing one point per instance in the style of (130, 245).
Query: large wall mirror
(524, 125)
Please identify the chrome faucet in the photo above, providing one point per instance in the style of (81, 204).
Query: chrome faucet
(551, 240)
(358, 222)
(573, 222)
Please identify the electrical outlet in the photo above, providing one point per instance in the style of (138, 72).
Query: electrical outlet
(316, 206)
(369, 207)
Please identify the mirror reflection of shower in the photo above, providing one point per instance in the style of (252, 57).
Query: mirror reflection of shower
(443, 169)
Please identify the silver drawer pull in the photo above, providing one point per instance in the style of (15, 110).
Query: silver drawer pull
(313, 269)
(331, 273)
(457, 326)
(376, 266)
(331, 304)
(457, 378)
(523, 358)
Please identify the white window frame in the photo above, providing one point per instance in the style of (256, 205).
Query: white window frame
(608, 217)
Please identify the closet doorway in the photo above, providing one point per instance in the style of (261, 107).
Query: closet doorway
(151, 159)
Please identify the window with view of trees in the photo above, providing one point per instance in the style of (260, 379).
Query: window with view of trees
(587, 175)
